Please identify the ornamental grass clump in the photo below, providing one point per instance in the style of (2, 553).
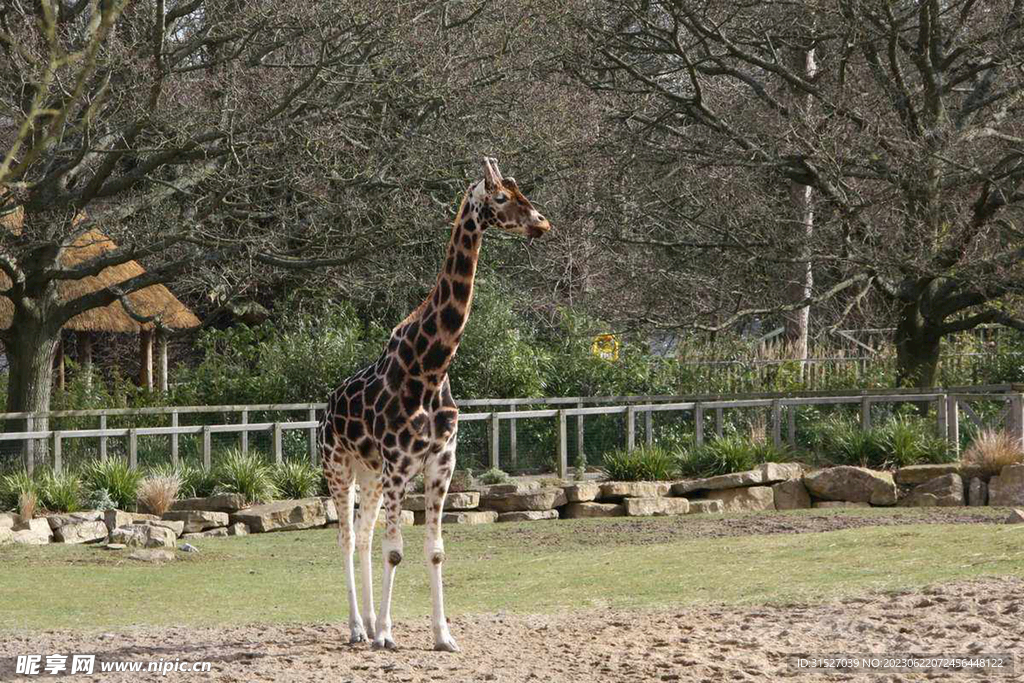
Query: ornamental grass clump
(990, 452)
(158, 492)
(60, 492)
(119, 480)
(247, 474)
(643, 463)
(297, 479)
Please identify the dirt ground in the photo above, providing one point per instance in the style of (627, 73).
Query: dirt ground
(709, 643)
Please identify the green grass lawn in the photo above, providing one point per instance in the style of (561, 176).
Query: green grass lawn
(530, 567)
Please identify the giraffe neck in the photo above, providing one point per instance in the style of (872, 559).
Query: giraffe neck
(434, 329)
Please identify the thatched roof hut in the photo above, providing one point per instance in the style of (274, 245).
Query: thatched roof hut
(155, 300)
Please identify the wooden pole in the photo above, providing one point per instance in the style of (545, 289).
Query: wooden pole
(146, 359)
(563, 445)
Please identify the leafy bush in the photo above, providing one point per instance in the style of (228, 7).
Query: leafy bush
(12, 486)
(247, 474)
(991, 451)
(297, 479)
(99, 500)
(493, 476)
(157, 493)
(901, 441)
(644, 463)
(60, 492)
(727, 454)
(910, 441)
(196, 481)
(115, 476)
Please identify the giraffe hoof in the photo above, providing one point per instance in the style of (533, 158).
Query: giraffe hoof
(357, 637)
(384, 644)
(447, 645)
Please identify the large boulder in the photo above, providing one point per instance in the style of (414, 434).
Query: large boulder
(177, 526)
(977, 492)
(946, 490)
(706, 506)
(220, 502)
(8, 520)
(143, 536)
(852, 484)
(615, 490)
(511, 487)
(1008, 487)
(914, 475)
(284, 515)
(592, 509)
(791, 495)
(541, 499)
(35, 531)
(469, 517)
(745, 499)
(767, 473)
(407, 518)
(117, 518)
(85, 531)
(6, 535)
(218, 532)
(57, 521)
(527, 516)
(460, 500)
(655, 507)
(581, 492)
(197, 520)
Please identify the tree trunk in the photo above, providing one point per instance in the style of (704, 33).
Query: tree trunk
(917, 352)
(31, 345)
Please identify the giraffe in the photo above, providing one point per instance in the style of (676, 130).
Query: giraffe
(396, 417)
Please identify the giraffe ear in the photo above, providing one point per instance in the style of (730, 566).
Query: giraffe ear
(492, 176)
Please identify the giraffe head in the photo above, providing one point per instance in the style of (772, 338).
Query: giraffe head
(503, 205)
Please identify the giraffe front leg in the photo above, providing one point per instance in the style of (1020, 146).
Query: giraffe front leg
(369, 507)
(437, 476)
(346, 541)
(392, 546)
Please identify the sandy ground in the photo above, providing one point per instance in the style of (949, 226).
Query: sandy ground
(712, 643)
(699, 644)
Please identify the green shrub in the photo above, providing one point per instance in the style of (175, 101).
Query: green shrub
(900, 441)
(493, 476)
(247, 474)
(297, 479)
(12, 486)
(911, 441)
(60, 492)
(196, 481)
(644, 463)
(115, 476)
(99, 500)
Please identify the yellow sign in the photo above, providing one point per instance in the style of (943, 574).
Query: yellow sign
(606, 346)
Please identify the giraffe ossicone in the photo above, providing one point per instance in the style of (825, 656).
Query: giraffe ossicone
(396, 417)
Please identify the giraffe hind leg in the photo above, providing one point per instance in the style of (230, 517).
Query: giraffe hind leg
(340, 484)
(370, 490)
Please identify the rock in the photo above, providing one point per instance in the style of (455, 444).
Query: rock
(218, 532)
(284, 515)
(462, 517)
(655, 507)
(33, 532)
(197, 520)
(1016, 517)
(592, 509)
(143, 536)
(188, 548)
(152, 555)
(581, 492)
(221, 502)
(6, 535)
(977, 492)
(408, 518)
(8, 520)
(330, 510)
(853, 484)
(943, 491)
(767, 473)
(541, 499)
(117, 518)
(238, 529)
(177, 526)
(527, 515)
(114, 546)
(745, 498)
(511, 487)
(913, 475)
(772, 472)
(81, 532)
(706, 506)
(791, 495)
(613, 490)
(462, 500)
(1008, 487)
(57, 521)
(839, 504)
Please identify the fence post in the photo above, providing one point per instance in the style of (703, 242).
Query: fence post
(1017, 418)
(776, 423)
(719, 421)
(698, 424)
(30, 446)
(563, 444)
(865, 414)
(512, 446)
(630, 427)
(57, 459)
(174, 438)
(103, 439)
(579, 434)
(791, 424)
(207, 457)
(245, 432)
(953, 423)
(940, 416)
(495, 434)
(649, 427)
(312, 438)
(278, 449)
(133, 449)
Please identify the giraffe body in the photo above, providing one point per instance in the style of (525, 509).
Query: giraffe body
(396, 417)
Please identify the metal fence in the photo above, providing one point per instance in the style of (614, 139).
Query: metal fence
(516, 435)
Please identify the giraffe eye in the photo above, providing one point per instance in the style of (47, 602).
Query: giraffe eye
(501, 199)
